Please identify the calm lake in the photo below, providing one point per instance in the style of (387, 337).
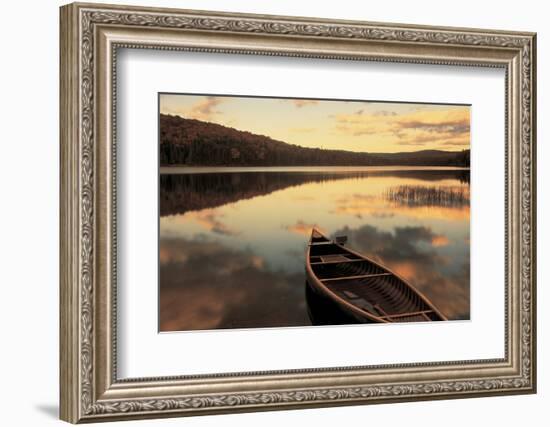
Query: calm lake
(232, 241)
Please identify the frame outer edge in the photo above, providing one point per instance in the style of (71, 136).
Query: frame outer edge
(69, 354)
(533, 210)
(77, 225)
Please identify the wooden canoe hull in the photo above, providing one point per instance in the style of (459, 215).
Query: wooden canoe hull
(344, 286)
(324, 310)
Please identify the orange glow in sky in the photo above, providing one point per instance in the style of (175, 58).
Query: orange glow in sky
(361, 126)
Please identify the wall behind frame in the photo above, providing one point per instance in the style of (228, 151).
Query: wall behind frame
(29, 171)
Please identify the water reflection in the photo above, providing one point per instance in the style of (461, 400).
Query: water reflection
(205, 285)
(232, 244)
(180, 193)
(434, 263)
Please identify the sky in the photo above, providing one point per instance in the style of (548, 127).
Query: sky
(361, 126)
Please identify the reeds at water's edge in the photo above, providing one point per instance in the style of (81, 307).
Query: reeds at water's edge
(419, 195)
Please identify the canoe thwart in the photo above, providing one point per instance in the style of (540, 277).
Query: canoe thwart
(360, 276)
(344, 260)
(360, 289)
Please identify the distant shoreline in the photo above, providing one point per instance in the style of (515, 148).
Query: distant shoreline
(177, 169)
(188, 142)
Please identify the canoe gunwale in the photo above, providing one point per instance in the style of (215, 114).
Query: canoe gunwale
(316, 282)
(356, 311)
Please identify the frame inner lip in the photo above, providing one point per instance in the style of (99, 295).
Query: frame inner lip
(339, 370)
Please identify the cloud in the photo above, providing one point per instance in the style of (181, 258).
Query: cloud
(384, 113)
(205, 285)
(440, 240)
(418, 128)
(209, 219)
(461, 125)
(303, 228)
(388, 205)
(299, 103)
(205, 108)
(415, 253)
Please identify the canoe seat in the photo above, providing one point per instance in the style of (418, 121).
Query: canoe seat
(371, 292)
(367, 306)
(333, 258)
(350, 294)
(363, 303)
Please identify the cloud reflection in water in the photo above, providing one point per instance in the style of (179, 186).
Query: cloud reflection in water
(414, 254)
(232, 245)
(204, 285)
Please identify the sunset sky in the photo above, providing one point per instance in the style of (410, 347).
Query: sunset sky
(343, 125)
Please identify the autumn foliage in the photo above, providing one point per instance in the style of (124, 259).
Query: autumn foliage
(197, 143)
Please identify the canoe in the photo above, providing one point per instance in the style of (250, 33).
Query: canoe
(348, 287)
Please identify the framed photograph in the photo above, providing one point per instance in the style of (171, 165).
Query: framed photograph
(265, 212)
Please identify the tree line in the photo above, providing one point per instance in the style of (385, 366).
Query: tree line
(196, 143)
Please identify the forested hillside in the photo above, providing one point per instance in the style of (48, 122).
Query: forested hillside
(196, 143)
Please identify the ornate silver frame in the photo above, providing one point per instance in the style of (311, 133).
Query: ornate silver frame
(90, 36)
